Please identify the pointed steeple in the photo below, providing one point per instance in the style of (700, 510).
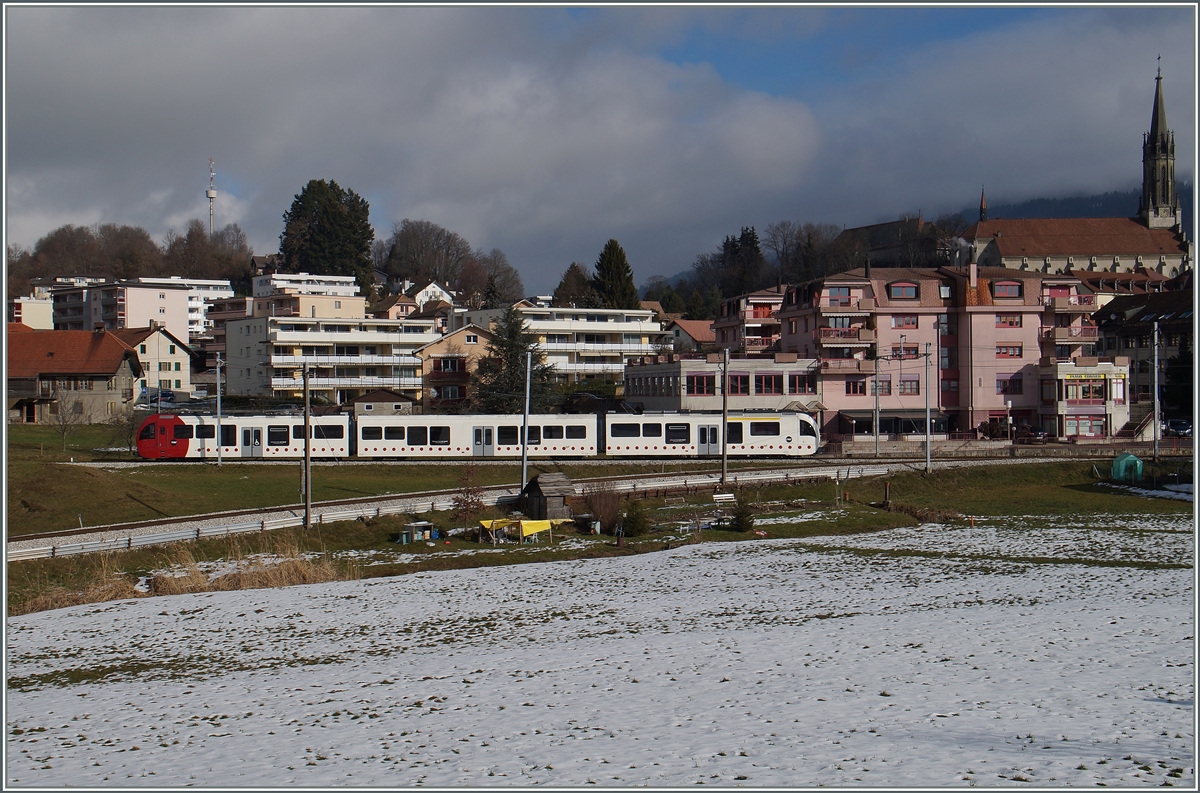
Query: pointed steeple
(982, 205)
(1159, 204)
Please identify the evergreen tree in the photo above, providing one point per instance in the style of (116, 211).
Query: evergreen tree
(575, 289)
(327, 231)
(491, 294)
(614, 278)
(498, 384)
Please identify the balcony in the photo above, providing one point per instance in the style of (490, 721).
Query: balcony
(630, 348)
(1076, 334)
(1082, 303)
(758, 342)
(846, 365)
(297, 383)
(344, 360)
(846, 305)
(838, 336)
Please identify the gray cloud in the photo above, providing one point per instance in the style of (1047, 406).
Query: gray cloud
(545, 134)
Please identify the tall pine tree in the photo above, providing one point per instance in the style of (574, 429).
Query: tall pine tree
(498, 384)
(327, 231)
(614, 278)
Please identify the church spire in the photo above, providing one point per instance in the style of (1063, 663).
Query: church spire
(1159, 205)
(982, 205)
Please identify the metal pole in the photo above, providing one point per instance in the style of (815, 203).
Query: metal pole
(525, 424)
(928, 433)
(218, 410)
(1157, 425)
(876, 425)
(724, 418)
(307, 456)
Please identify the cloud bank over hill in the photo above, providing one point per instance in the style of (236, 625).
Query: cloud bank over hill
(545, 132)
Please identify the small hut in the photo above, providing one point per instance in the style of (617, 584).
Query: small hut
(1127, 468)
(547, 497)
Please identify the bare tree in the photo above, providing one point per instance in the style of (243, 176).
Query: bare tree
(67, 414)
(420, 249)
(506, 278)
(785, 239)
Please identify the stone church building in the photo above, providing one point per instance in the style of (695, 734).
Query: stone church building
(1153, 241)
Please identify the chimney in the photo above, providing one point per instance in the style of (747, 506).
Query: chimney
(98, 327)
(973, 270)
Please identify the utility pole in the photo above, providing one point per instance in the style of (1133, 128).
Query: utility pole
(724, 418)
(1157, 424)
(875, 385)
(219, 410)
(928, 433)
(525, 423)
(307, 456)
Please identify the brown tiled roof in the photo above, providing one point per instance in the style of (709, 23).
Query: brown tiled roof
(699, 329)
(135, 336)
(75, 352)
(19, 327)
(1076, 237)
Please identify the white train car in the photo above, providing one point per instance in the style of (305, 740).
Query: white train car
(169, 436)
(470, 436)
(750, 434)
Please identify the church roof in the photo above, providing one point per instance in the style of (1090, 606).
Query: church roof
(1081, 237)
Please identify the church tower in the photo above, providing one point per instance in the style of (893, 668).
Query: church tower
(1159, 206)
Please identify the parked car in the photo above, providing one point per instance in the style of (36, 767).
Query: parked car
(165, 395)
(1179, 428)
(1029, 434)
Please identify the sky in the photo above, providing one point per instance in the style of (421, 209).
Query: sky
(547, 131)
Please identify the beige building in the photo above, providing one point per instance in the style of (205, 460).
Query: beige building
(32, 312)
(447, 365)
(121, 305)
(166, 363)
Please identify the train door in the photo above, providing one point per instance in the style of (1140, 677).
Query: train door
(483, 444)
(252, 442)
(708, 440)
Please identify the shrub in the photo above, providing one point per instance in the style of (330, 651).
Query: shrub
(604, 503)
(743, 514)
(636, 522)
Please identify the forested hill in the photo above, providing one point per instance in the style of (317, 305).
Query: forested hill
(1116, 204)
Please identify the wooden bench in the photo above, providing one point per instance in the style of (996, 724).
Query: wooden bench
(724, 498)
(675, 501)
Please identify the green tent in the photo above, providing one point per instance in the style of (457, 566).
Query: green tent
(1127, 468)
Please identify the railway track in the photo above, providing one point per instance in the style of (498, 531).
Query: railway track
(187, 527)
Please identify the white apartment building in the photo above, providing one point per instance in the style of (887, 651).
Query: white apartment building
(582, 343)
(201, 293)
(120, 305)
(305, 284)
(347, 357)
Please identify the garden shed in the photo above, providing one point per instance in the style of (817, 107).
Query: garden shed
(547, 497)
(1127, 468)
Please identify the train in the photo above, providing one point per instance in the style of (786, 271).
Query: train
(170, 436)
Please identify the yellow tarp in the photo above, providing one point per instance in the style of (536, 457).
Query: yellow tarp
(527, 527)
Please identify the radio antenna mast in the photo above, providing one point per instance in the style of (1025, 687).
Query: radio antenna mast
(212, 194)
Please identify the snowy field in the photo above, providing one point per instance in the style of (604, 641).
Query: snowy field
(1021, 652)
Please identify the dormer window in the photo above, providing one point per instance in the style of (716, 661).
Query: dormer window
(1006, 289)
(902, 290)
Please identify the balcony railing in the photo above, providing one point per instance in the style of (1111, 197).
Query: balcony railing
(844, 364)
(1070, 301)
(629, 348)
(865, 304)
(344, 360)
(832, 335)
(1075, 332)
(757, 342)
(282, 383)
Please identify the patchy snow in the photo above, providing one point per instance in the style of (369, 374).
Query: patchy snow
(1027, 650)
(1173, 491)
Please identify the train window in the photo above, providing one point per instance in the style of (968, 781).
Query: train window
(576, 433)
(679, 433)
(506, 436)
(418, 436)
(147, 433)
(393, 433)
(624, 430)
(807, 429)
(552, 433)
(764, 428)
(535, 436)
(228, 435)
(439, 436)
(372, 433)
(277, 436)
(733, 432)
(298, 431)
(333, 431)
(651, 430)
(182, 431)
(206, 431)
